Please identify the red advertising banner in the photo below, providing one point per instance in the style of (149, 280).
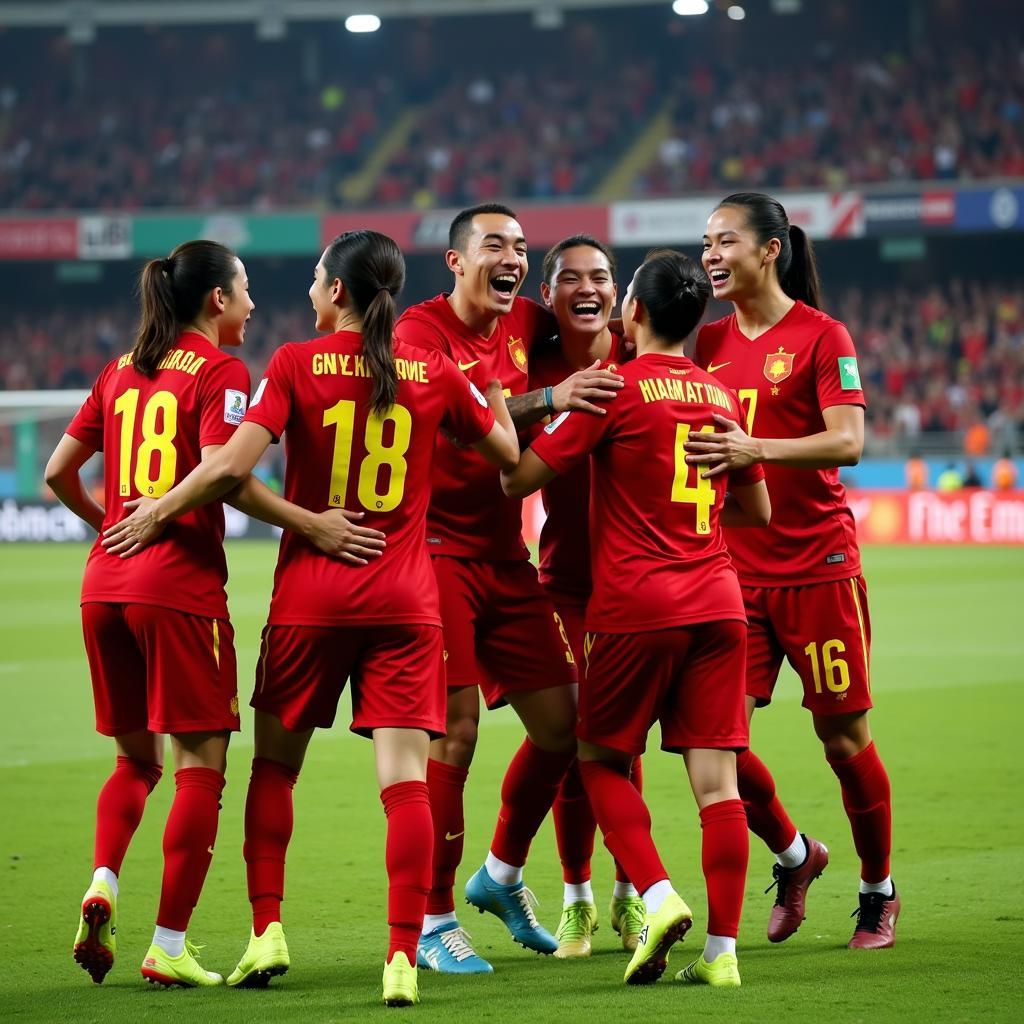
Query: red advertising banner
(24, 239)
(903, 517)
(428, 231)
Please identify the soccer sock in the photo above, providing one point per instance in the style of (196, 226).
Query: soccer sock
(188, 844)
(269, 818)
(575, 826)
(446, 783)
(625, 822)
(867, 798)
(108, 876)
(885, 887)
(501, 872)
(577, 892)
(655, 895)
(724, 852)
(410, 831)
(636, 776)
(432, 921)
(623, 890)
(766, 817)
(527, 793)
(793, 855)
(716, 945)
(119, 809)
(170, 940)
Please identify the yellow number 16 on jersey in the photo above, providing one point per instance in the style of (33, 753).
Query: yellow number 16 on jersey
(342, 417)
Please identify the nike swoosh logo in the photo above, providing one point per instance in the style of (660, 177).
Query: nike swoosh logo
(450, 837)
(466, 366)
(712, 367)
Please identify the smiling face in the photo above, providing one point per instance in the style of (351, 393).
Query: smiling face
(491, 268)
(581, 292)
(736, 264)
(237, 309)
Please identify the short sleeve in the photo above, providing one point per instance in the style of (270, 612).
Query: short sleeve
(569, 438)
(223, 397)
(87, 425)
(413, 329)
(837, 375)
(468, 417)
(271, 405)
(747, 476)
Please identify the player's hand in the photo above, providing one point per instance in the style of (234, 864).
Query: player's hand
(134, 532)
(730, 447)
(581, 389)
(336, 532)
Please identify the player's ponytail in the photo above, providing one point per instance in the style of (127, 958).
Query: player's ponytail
(795, 265)
(674, 291)
(372, 269)
(172, 292)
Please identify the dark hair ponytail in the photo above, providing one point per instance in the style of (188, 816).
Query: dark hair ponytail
(172, 292)
(372, 268)
(674, 290)
(796, 266)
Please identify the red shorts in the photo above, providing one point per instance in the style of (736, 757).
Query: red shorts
(689, 678)
(397, 674)
(571, 616)
(825, 632)
(500, 629)
(158, 669)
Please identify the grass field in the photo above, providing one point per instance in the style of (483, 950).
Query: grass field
(949, 688)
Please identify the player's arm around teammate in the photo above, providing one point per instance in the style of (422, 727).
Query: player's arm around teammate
(158, 639)
(796, 370)
(653, 652)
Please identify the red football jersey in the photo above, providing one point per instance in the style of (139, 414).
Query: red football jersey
(784, 379)
(152, 432)
(658, 555)
(469, 515)
(565, 536)
(317, 393)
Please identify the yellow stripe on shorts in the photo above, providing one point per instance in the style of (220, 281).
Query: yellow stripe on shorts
(216, 642)
(863, 634)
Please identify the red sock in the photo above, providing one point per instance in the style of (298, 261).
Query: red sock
(625, 821)
(446, 783)
(527, 793)
(724, 851)
(636, 776)
(268, 830)
(188, 843)
(867, 798)
(766, 817)
(410, 831)
(119, 809)
(575, 826)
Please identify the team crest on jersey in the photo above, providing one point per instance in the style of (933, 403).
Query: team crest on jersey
(234, 406)
(517, 350)
(778, 365)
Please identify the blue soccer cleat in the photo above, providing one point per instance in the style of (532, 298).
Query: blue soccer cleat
(447, 949)
(514, 905)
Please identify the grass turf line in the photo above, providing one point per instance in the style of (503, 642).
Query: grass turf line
(947, 680)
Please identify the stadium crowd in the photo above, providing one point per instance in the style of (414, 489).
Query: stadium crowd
(947, 359)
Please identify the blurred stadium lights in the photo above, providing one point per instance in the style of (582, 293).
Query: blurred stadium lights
(688, 7)
(736, 13)
(271, 24)
(786, 6)
(359, 23)
(548, 17)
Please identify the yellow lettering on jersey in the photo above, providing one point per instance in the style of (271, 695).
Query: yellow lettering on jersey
(412, 370)
(691, 392)
(659, 386)
(197, 361)
(675, 389)
(125, 360)
(344, 367)
(360, 368)
(645, 390)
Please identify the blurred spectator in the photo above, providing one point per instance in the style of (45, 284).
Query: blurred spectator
(1004, 473)
(949, 480)
(915, 472)
(971, 476)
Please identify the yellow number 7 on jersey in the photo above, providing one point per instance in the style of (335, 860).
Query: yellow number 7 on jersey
(701, 493)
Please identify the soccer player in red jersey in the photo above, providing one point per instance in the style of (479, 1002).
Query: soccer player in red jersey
(157, 635)
(501, 634)
(665, 625)
(795, 370)
(359, 415)
(578, 286)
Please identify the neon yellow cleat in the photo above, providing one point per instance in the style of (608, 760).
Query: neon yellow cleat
(159, 968)
(722, 972)
(578, 923)
(659, 933)
(400, 987)
(265, 957)
(96, 941)
(627, 917)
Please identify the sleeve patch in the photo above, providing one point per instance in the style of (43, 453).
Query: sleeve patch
(475, 392)
(556, 423)
(259, 393)
(234, 406)
(849, 375)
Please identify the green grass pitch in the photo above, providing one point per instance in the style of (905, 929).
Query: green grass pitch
(949, 689)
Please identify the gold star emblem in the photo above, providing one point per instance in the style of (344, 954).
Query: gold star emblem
(775, 390)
